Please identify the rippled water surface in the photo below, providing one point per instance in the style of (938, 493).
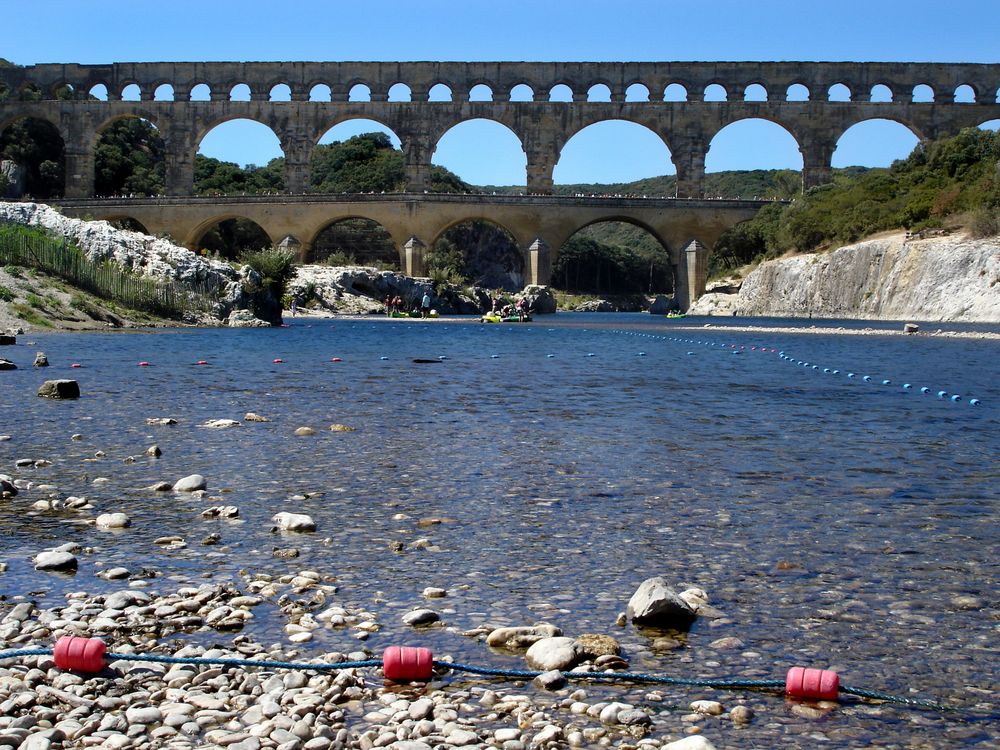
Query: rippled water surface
(835, 522)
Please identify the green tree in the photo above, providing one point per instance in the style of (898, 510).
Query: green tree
(215, 177)
(130, 158)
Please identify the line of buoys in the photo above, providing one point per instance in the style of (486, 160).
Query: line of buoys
(885, 381)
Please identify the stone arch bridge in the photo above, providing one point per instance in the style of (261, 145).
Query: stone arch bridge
(815, 102)
(925, 97)
(540, 224)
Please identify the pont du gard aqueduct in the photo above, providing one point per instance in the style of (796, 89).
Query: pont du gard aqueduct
(684, 103)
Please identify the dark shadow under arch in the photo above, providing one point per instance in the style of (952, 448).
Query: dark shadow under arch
(354, 241)
(230, 237)
(37, 147)
(481, 252)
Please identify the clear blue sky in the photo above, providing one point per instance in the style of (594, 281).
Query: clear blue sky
(180, 30)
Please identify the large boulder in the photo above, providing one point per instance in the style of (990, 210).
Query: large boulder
(655, 603)
(6, 364)
(245, 319)
(12, 180)
(539, 299)
(595, 305)
(59, 389)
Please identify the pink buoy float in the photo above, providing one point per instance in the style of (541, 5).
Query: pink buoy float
(812, 684)
(406, 663)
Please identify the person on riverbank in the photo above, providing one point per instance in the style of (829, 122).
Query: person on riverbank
(425, 305)
(295, 305)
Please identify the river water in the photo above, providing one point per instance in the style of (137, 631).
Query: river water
(834, 521)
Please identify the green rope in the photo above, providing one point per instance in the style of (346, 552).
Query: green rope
(521, 674)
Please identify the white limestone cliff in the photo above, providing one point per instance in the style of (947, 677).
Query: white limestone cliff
(951, 278)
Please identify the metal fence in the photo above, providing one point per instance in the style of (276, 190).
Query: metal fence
(109, 281)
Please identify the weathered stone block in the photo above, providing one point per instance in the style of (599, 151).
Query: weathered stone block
(59, 389)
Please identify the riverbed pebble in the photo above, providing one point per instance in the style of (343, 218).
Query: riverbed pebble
(113, 521)
(286, 521)
(55, 560)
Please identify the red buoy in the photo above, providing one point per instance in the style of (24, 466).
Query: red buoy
(76, 365)
(405, 663)
(144, 364)
(335, 359)
(278, 361)
(79, 654)
(817, 684)
(201, 362)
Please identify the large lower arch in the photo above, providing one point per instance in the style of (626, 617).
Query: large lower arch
(874, 143)
(479, 251)
(129, 158)
(229, 236)
(614, 152)
(482, 152)
(614, 256)
(354, 240)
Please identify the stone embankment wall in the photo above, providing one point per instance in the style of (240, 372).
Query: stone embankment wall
(951, 278)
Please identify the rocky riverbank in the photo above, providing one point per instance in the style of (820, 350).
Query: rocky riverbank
(149, 704)
(896, 277)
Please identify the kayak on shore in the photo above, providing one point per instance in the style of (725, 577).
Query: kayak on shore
(494, 318)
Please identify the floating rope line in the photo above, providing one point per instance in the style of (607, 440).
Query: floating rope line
(406, 664)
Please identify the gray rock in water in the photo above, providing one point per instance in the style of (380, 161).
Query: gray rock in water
(551, 680)
(553, 653)
(655, 603)
(190, 483)
(293, 521)
(6, 340)
(421, 617)
(59, 389)
(910, 328)
(113, 521)
(55, 560)
(515, 638)
(41, 360)
(6, 364)
(7, 488)
(245, 319)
